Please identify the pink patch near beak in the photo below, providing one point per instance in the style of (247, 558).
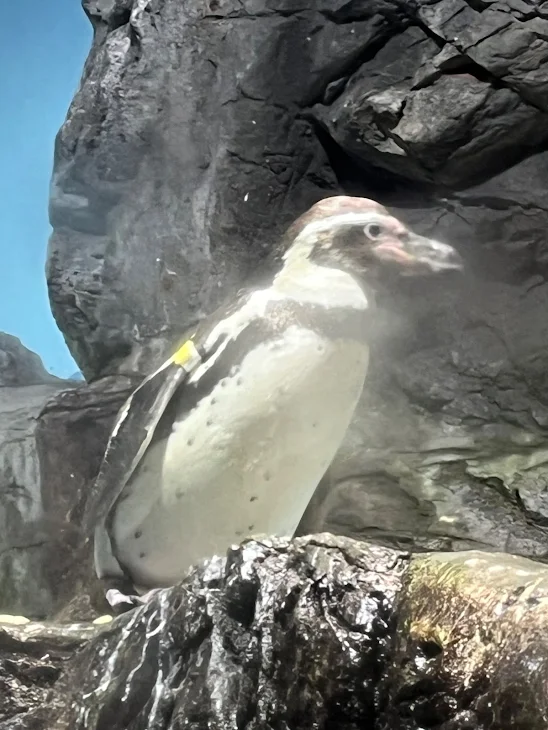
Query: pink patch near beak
(393, 252)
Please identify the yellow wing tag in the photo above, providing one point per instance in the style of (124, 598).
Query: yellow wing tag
(187, 356)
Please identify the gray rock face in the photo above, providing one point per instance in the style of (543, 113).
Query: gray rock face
(24, 388)
(424, 105)
(23, 586)
(182, 158)
(52, 437)
(201, 129)
(71, 436)
(261, 626)
(19, 366)
(449, 445)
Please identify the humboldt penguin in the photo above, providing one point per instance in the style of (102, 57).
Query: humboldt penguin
(230, 437)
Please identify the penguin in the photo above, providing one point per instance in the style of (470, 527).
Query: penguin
(231, 436)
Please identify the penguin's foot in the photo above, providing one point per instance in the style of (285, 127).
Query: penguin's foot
(124, 602)
(117, 599)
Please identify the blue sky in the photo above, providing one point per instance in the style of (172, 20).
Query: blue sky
(43, 46)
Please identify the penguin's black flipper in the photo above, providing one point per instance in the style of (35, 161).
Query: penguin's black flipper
(133, 431)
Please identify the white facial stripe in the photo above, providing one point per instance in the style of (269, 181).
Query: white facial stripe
(309, 233)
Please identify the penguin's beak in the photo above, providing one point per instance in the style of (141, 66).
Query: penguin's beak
(417, 254)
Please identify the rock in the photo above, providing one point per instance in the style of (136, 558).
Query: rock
(173, 168)
(25, 387)
(19, 366)
(53, 434)
(77, 376)
(246, 630)
(398, 112)
(448, 446)
(31, 660)
(320, 632)
(71, 439)
(469, 652)
(16, 620)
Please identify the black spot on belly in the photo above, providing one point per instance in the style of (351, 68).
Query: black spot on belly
(209, 422)
(239, 381)
(267, 476)
(179, 493)
(250, 527)
(213, 401)
(190, 442)
(253, 499)
(138, 534)
(315, 424)
(142, 555)
(238, 533)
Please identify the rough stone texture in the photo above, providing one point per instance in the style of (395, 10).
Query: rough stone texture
(322, 632)
(24, 388)
(20, 366)
(71, 438)
(470, 649)
(52, 437)
(182, 158)
(202, 128)
(31, 661)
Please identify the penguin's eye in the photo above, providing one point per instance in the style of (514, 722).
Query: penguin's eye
(373, 230)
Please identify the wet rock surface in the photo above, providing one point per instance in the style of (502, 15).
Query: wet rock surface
(32, 656)
(275, 634)
(470, 649)
(320, 632)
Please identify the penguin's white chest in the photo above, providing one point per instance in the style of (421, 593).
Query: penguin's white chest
(245, 461)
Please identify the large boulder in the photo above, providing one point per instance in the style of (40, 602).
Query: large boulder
(448, 448)
(183, 156)
(319, 632)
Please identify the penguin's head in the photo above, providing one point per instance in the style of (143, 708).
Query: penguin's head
(359, 235)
